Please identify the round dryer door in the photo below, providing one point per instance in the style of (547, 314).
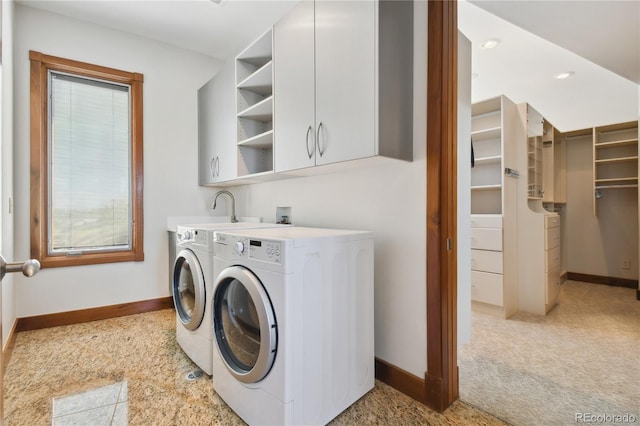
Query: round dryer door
(188, 289)
(244, 324)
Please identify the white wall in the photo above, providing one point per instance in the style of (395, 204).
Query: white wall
(388, 199)
(464, 190)
(6, 124)
(171, 80)
(597, 244)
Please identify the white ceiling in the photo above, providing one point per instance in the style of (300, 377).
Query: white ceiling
(605, 32)
(523, 65)
(220, 31)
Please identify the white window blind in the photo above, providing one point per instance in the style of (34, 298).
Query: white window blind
(89, 166)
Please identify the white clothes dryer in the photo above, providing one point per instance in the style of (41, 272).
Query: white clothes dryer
(192, 287)
(293, 323)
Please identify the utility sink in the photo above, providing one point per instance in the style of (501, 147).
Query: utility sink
(205, 221)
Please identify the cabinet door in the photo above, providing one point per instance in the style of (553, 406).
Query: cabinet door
(345, 80)
(294, 136)
(217, 152)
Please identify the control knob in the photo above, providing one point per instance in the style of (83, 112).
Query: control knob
(239, 247)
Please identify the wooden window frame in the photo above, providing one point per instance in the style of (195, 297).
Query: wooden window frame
(40, 66)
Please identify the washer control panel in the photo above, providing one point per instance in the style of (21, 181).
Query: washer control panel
(265, 250)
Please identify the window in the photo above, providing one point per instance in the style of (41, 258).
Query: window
(86, 163)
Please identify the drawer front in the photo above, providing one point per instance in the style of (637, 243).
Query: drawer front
(552, 259)
(486, 221)
(551, 221)
(552, 238)
(486, 287)
(486, 239)
(553, 287)
(487, 261)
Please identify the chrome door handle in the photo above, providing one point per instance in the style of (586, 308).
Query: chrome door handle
(28, 268)
(212, 167)
(309, 152)
(318, 139)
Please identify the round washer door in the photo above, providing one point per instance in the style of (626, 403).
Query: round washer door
(244, 324)
(188, 289)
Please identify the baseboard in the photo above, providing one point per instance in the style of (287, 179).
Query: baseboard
(7, 351)
(597, 279)
(92, 314)
(401, 380)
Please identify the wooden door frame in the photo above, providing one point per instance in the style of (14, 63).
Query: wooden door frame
(441, 378)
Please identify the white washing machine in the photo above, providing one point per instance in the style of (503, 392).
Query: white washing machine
(293, 323)
(192, 287)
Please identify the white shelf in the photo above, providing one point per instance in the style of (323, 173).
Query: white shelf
(261, 81)
(486, 187)
(484, 134)
(263, 140)
(262, 111)
(488, 160)
(260, 50)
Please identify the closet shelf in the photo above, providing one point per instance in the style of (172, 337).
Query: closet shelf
(486, 187)
(617, 143)
(616, 160)
(489, 159)
(485, 134)
(616, 186)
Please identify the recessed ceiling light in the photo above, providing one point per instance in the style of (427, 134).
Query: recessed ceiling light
(563, 75)
(490, 44)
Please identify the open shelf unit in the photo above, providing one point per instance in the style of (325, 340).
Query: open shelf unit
(615, 159)
(254, 106)
(534, 167)
(486, 176)
(493, 244)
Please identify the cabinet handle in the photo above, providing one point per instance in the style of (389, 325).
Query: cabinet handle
(309, 152)
(212, 167)
(217, 166)
(318, 139)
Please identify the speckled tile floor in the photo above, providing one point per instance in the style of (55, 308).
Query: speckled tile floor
(130, 370)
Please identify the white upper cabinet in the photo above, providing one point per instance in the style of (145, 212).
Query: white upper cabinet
(345, 80)
(343, 83)
(294, 83)
(217, 158)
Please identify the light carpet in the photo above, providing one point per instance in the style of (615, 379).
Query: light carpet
(581, 360)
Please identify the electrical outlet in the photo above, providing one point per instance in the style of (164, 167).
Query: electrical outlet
(625, 264)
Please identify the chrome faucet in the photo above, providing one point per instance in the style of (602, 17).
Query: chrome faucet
(233, 204)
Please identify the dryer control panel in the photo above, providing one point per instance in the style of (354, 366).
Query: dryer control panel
(265, 250)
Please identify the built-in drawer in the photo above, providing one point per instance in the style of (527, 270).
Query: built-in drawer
(551, 221)
(486, 221)
(551, 260)
(487, 261)
(552, 238)
(486, 239)
(486, 288)
(553, 287)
